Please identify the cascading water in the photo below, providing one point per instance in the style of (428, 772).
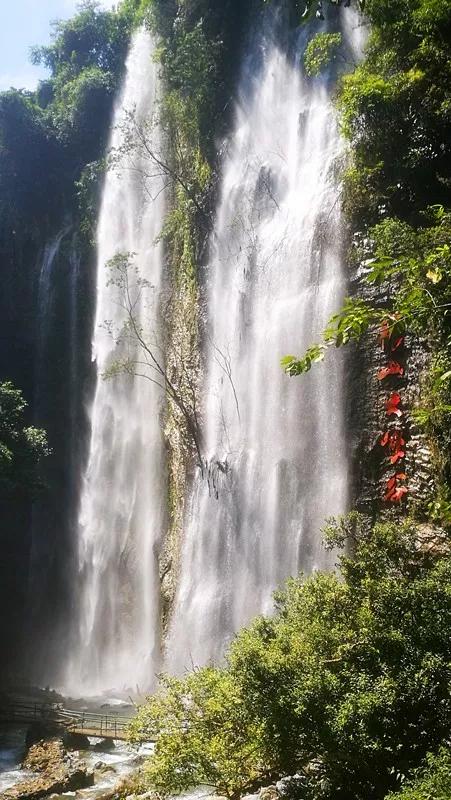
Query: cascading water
(275, 447)
(49, 389)
(121, 516)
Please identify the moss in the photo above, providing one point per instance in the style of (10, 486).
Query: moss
(184, 230)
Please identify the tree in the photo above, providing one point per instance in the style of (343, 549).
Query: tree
(21, 447)
(320, 51)
(432, 782)
(204, 735)
(346, 686)
(396, 112)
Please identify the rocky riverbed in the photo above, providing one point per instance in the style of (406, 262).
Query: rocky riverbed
(51, 769)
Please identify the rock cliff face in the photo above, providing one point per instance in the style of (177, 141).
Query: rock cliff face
(368, 420)
(46, 320)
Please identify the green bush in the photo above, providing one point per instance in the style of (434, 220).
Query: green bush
(347, 685)
(431, 783)
(21, 447)
(396, 108)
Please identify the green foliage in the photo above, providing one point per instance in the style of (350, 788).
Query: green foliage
(204, 735)
(347, 685)
(434, 416)
(431, 783)
(414, 265)
(91, 38)
(86, 60)
(21, 447)
(396, 110)
(347, 672)
(84, 98)
(296, 366)
(320, 51)
(87, 188)
(47, 136)
(27, 149)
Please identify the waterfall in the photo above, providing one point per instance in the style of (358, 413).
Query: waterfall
(275, 447)
(121, 518)
(48, 539)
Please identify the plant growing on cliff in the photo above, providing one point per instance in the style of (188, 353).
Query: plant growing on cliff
(413, 267)
(21, 447)
(320, 51)
(142, 352)
(347, 685)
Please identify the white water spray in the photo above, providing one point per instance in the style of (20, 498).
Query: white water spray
(122, 510)
(275, 446)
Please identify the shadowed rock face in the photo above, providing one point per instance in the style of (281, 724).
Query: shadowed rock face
(57, 772)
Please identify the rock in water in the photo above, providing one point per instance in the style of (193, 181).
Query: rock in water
(58, 773)
(45, 755)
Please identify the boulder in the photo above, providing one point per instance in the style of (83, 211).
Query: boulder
(62, 781)
(268, 793)
(293, 787)
(101, 767)
(75, 741)
(45, 755)
(58, 773)
(105, 745)
(40, 730)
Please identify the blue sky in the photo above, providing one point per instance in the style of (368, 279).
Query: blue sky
(24, 23)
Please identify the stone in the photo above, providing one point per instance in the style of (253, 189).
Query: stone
(60, 782)
(268, 793)
(145, 796)
(44, 755)
(58, 773)
(101, 767)
(105, 745)
(38, 731)
(293, 786)
(75, 741)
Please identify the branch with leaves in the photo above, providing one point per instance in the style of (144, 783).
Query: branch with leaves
(145, 357)
(413, 269)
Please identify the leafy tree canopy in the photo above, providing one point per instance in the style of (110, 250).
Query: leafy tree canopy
(21, 447)
(27, 154)
(396, 110)
(48, 136)
(347, 685)
(86, 61)
(430, 783)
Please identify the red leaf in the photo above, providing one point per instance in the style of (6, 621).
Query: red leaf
(391, 406)
(395, 440)
(393, 368)
(397, 343)
(397, 495)
(384, 439)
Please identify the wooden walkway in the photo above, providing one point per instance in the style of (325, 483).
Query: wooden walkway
(85, 723)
